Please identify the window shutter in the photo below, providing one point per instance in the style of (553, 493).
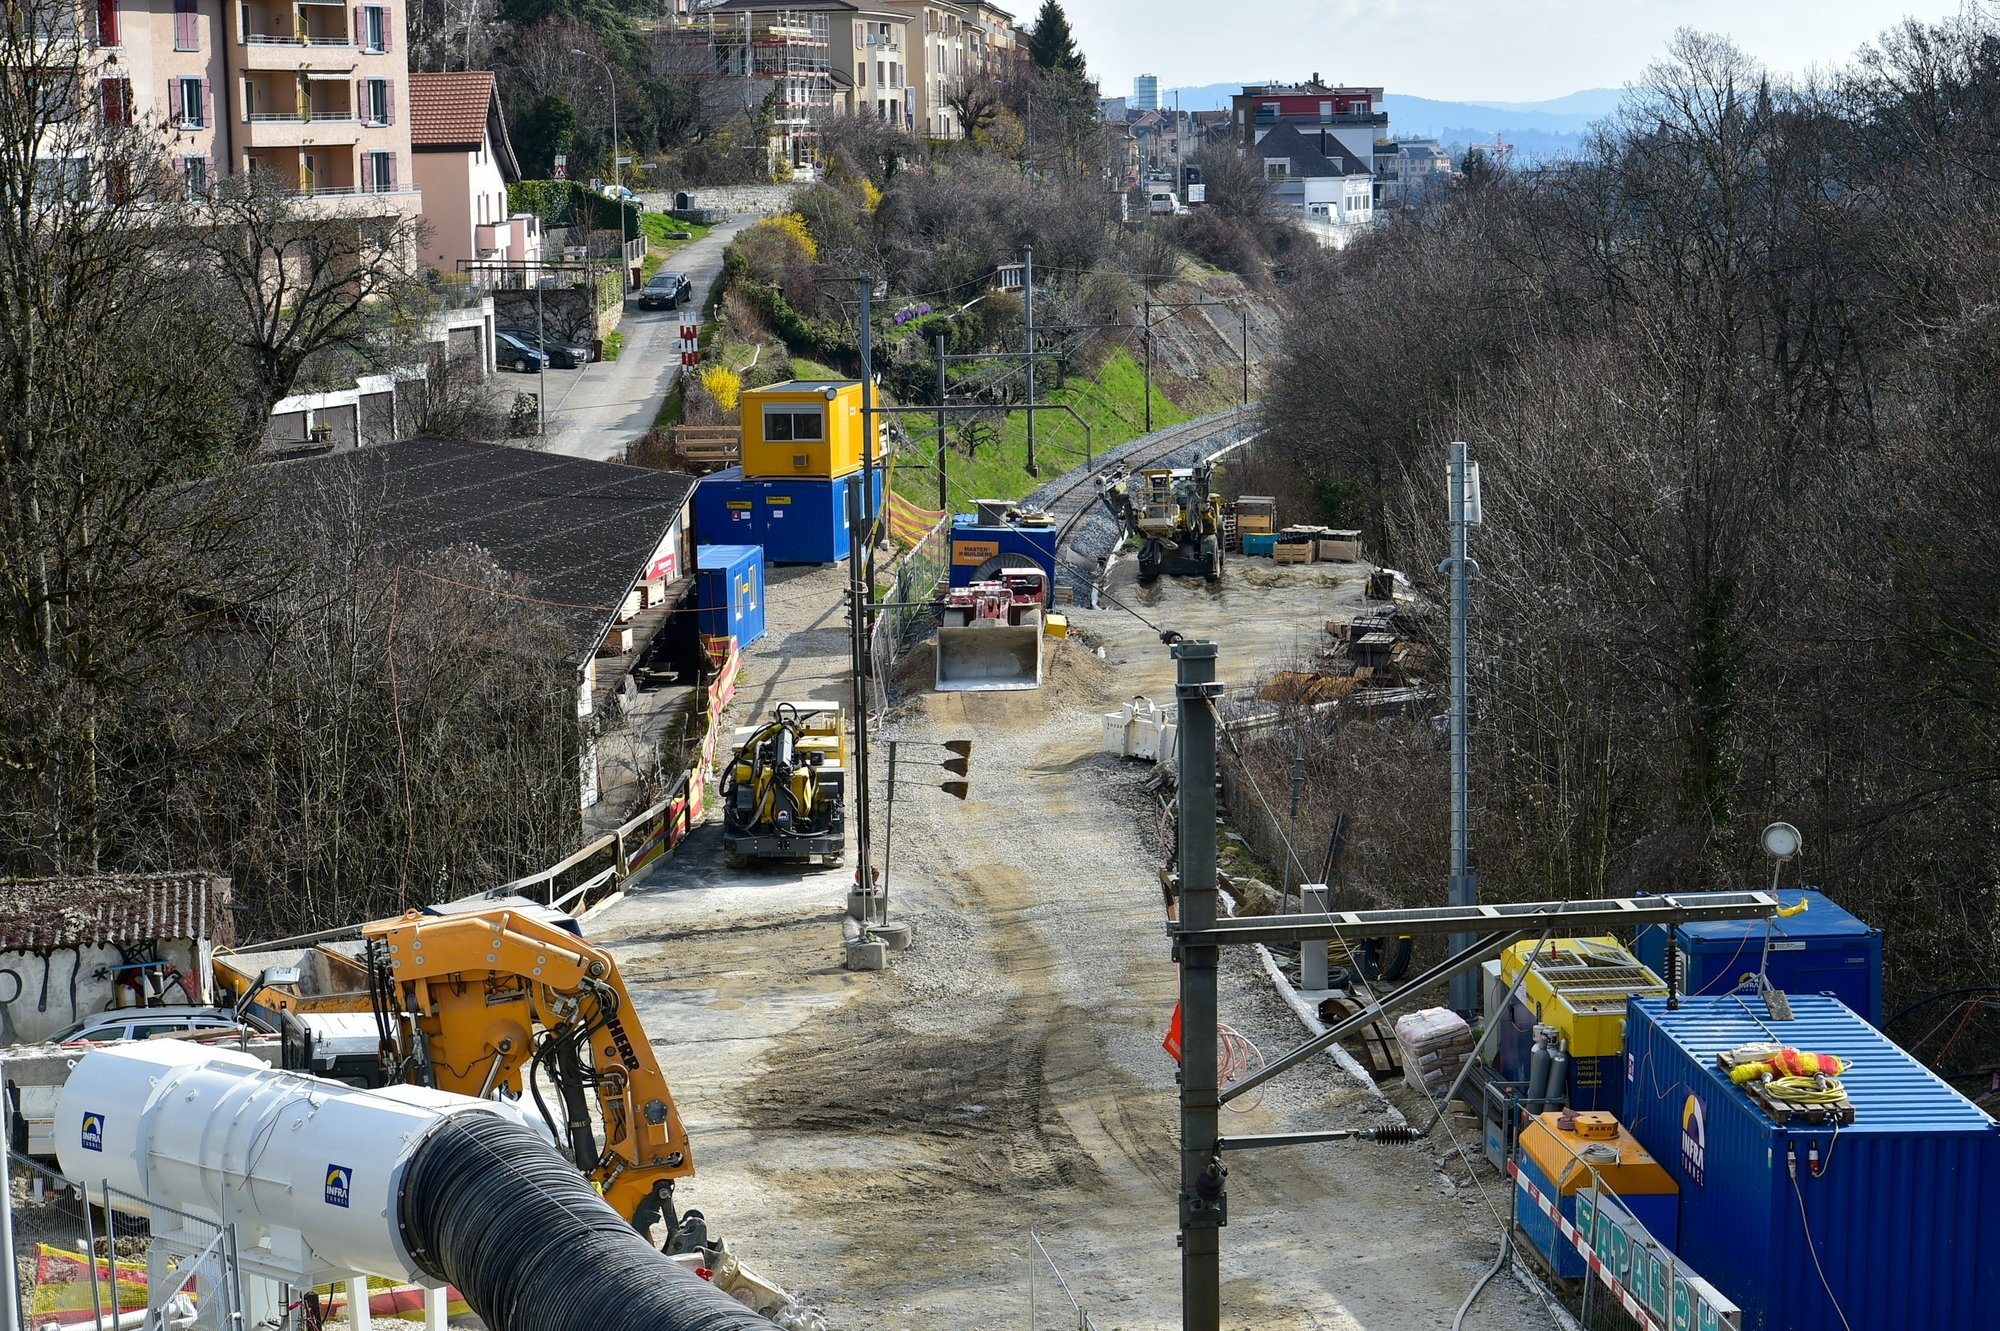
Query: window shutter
(361, 107)
(360, 32)
(389, 101)
(107, 22)
(368, 173)
(388, 30)
(175, 111)
(391, 184)
(207, 103)
(208, 178)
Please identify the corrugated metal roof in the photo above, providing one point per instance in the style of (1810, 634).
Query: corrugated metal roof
(45, 914)
(1891, 1092)
(1822, 916)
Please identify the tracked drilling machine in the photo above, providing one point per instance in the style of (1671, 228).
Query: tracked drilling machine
(1174, 514)
(783, 794)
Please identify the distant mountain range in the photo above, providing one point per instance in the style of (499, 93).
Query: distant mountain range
(1536, 129)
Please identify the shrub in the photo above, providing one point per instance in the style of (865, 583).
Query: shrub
(793, 226)
(723, 384)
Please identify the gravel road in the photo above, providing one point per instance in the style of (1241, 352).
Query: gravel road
(884, 1143)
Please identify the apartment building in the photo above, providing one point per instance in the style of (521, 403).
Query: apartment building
(940, 68)
(868, 45)
(304, 91)
(759, 44)
(1351, 116)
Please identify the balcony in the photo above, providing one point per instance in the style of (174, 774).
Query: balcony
(321, 129)
(273, 52)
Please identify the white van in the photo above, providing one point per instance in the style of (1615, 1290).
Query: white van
(1161, 202)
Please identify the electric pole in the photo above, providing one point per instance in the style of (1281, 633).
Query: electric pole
(1202, 1205)
(1028, 295)
(944, 494)
(1463, 886)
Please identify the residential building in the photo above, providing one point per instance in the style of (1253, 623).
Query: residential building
(992, 43)
(938, 62)
(463, 162)
(868, 43)
(1351, 115)
(1146, 92)
(766, 47)
(1317, 177)
(307, 92)
(1409, 169)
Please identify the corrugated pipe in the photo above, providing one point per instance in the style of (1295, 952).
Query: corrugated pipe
(490, 1207)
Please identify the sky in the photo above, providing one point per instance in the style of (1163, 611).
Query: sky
(1454, 50)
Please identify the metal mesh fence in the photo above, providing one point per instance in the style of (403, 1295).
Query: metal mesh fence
(87, 1255)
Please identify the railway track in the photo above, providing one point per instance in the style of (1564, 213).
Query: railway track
(1086, 534)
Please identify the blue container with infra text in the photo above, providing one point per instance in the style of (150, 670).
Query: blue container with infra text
(1821, 950)
(729, 591)
(1884, 1224)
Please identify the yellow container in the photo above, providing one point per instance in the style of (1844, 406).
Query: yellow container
(1579, 986)
(1599, 1147)
(805, 429)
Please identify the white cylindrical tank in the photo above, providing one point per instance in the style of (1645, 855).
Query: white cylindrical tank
(306, 1169)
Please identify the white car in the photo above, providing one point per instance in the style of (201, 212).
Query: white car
(143, 1023)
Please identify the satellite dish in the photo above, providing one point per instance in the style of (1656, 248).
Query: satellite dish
(1782, 841)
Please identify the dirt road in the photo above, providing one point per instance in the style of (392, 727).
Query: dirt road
(885, 1142)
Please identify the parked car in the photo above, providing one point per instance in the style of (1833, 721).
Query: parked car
(665, 291)
(143, 1023)
(623, 193)
(511, 352)
(562, 355)
(341, 1045)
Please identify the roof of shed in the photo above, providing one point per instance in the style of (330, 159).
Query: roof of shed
(449, 110)
(47, 914)
(576, 531)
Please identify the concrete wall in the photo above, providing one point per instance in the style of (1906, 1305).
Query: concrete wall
(40, 995)
(729, 198)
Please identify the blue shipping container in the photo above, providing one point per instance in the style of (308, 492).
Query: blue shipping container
(1893, 1227)
(976, 547)
(805, 521)
(725, 508)
(1822, 950)
(729, 591)
(794, 521)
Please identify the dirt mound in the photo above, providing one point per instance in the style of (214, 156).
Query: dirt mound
(971, 1104)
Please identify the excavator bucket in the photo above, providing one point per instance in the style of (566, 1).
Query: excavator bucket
(990, 635)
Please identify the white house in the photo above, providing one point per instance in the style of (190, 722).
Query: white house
(1321, 181)
(463, 162)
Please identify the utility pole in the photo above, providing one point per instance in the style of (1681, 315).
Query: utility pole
(1028, 294)
(944, 492)
(1463, 886)
(542, 381)
(1147, 338)
(860, 590)
(1202, 1205)
(1246, 355)
(617, 176)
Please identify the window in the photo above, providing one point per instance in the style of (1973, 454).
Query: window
(794, 424)
(187, 26)
(196, 173)
(860, 36)
(378, 105)
(107, 22)
(117, 101)
(372, 22)
(378, 173)
(187, 102)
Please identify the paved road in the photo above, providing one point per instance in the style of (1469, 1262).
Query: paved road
(595, 412)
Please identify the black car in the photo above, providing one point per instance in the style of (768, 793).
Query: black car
(562, 355)
(665, 291)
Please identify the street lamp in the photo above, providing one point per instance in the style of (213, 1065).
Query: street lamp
(617, 179)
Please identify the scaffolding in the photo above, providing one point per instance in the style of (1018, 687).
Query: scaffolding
(789, 48)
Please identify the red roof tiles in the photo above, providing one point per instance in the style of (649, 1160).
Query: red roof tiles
(45, 914)
(449, 110)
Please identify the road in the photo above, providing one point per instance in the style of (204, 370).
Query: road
(597, 411)
(884, 1143)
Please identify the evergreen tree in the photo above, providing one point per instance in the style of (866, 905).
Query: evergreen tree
(1052, 44)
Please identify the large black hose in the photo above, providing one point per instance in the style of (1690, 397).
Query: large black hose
(491, 1207)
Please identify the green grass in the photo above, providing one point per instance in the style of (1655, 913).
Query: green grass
(812, 369)
(613, 344)
(658, 247)
(1113, 402)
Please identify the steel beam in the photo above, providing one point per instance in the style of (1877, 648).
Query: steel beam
(1584, 916)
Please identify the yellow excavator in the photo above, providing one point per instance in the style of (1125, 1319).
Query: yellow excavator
(1175, 514)
(508, 999)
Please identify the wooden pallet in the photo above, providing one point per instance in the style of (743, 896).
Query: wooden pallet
(1786, 1114)
(706, 448)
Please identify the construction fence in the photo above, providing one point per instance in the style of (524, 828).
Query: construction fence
(923, 566)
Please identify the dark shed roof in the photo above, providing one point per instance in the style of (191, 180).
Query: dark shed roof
(46, 914)
(577, 531)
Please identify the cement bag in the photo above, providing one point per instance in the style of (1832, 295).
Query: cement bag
(1435, 1043)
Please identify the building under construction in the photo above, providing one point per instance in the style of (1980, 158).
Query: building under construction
(779, 56)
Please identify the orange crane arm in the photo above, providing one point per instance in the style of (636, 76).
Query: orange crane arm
(485, 1000)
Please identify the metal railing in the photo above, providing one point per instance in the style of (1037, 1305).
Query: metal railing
(1077, 1317)
(308, 118)
(342, 43)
